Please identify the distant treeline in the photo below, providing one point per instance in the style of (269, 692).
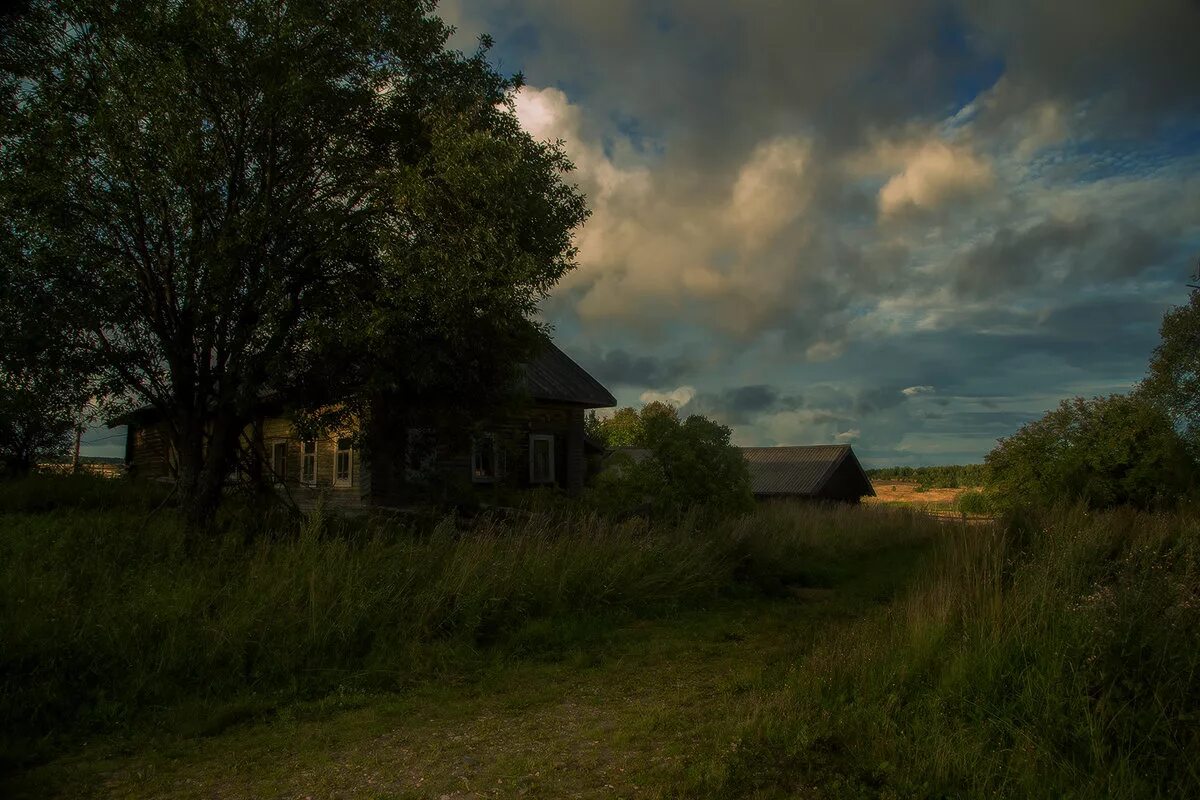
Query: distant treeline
(949, 476)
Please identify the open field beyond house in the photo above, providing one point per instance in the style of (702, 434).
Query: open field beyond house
(796, 652)
(910, 493)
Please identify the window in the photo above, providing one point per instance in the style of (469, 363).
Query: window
(343, 463)
(485, 462)
(308, 462)
(279, 461)
(541, 458)
(421, 454)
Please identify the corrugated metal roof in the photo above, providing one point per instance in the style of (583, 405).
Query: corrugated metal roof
(552, 375)
(801, 470)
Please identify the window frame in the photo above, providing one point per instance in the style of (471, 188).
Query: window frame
(338, 480)
(497, 468)
(307, 459)
(553, 476)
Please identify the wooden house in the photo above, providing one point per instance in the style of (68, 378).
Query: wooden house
(538, 443)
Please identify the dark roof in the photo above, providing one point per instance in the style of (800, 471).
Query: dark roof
(802, 470)
(552, 375)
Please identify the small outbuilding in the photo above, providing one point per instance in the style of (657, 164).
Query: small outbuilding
(816, 472)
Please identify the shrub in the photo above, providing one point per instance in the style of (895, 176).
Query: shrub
(1106, 452)
(688, 464)
(974, 502)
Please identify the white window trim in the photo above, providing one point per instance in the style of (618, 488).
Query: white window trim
(313, 455)
(349, 479)
(541, 437)
(495, 459)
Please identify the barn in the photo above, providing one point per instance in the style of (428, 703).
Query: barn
(816, 472)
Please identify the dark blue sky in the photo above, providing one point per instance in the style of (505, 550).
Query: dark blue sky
(911, 226)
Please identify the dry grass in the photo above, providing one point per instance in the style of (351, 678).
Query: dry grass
(905, 493)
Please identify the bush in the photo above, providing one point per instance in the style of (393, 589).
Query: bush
(689, 464)
(974, 502)
(1105, 452)
(46, 492)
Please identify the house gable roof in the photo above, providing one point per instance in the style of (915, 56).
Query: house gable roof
(553, 376)
(798, 470)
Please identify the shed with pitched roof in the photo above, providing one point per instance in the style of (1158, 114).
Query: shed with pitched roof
(820, 472)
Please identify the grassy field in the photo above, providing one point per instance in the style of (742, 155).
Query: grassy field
(913, 495)
(798, 652)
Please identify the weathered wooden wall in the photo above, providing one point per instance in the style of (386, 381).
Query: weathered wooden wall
(149, 454)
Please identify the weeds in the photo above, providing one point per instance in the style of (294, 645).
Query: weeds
(109, 615)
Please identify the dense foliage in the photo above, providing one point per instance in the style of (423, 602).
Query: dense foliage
(318, 200)
(681, 464)
(48, 383)
(1173, 379)
(1105, 452)
(946, 476)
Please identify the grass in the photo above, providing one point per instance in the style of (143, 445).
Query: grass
(115, 618)
(1056, 658)
(797, 652)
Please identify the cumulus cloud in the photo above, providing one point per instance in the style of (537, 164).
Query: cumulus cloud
(910, 391)
(933, 174)
(678, 397)
(847, 435)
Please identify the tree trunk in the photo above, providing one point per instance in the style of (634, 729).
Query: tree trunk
(203, 464)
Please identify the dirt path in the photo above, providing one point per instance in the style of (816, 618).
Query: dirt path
(650, 708)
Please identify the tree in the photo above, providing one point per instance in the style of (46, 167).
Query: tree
(1173, 379)
(690, 463)
(626, 427)
(1107, 452)
(313, 200)
(48, 385)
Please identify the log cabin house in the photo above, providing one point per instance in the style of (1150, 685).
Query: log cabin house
(539, 443)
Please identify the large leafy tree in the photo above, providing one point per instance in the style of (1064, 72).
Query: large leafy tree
(49, 386)
(315, 200)
(1173, 379)
(1107, 451)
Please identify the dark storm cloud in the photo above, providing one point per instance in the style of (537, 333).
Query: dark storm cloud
(1136, 61)
(622, 368)
(1092, 249)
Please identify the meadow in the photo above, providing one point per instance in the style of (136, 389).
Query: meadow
(804, 651)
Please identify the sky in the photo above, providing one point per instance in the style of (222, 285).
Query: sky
(911, 226)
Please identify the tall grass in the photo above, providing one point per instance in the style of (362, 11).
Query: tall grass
(1056, 657)
(110, 613)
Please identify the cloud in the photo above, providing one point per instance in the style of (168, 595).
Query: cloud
(911, 391)
(828, 207)
(933, 174)
(847, 435)
(619, 367)
(678, 397)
